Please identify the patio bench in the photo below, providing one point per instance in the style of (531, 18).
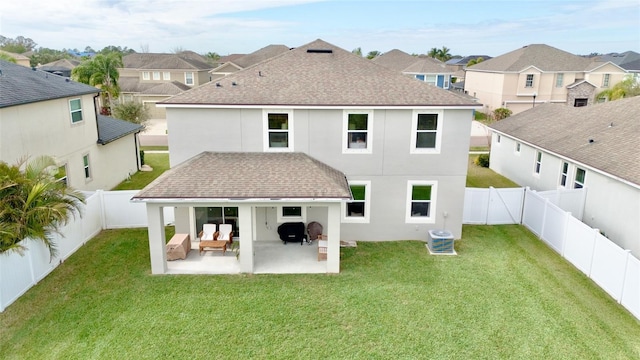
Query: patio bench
(178, 247)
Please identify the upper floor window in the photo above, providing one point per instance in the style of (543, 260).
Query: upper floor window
(559, 80)
(426, 132)
(357, 131)
(421, 201)
(166, 75)
(538, 163)
(278, 130)
(75, 108)
(564, 173)
(188, 78)
(580, 176)
(87, 166)
(156, 75)
(605, 80)
(145, 75)
(357, 210)
(529, 82)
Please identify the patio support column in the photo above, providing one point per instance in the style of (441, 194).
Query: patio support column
(155, 219)
(246, 242)
(333, 238)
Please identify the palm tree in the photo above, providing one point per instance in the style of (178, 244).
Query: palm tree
(102, 72)
(357, 51)
(433, 53)
(372, 54)
(625, 88)
(34, 204)
(444, 54)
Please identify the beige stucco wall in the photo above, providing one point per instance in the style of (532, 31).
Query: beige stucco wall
(487, 87)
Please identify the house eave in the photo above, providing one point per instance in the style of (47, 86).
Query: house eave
(321, 107)
(238, 200)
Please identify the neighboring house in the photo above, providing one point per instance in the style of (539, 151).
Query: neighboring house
(62, 67)
(46, 114)
(235, 64)
(423, 68)
(555, 146)
(461, 63)
(628, 60)
(150, 78)
(402, 145)
(538, 73)
(20, 59)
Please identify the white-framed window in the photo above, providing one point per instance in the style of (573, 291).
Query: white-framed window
(358, 209)
(278, 130)
(559, 80)
(188, 78)
(358, 132)
(421, 201)
(518, 148)
(581, 174)
(538, 163)
(564, 173)
(61, 175)
(291, 213)
(446, 82)
(420, 77)
(529, 82)
(75, 109)
(166, 75)
(156, 75)
(427, 132)
(86, 164)
(605, 80)
(146, 75)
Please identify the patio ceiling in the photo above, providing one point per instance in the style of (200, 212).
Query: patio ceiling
(248, 176)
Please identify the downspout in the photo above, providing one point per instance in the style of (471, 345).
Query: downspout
(137, 146)
(95, 110)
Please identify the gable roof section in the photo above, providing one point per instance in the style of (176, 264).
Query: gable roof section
(266, 176)
(58, 65)
(317, 74)
(427, 65)
(395, 59)
(622, 59)
(22, 85)
(613, 126)
(187, 60)
(111, 129)
(260, 55)
(168, 88)
(543, 57)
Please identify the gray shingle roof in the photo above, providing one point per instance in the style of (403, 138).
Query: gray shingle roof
(111, 129)
(187, 60)
(22, 85)
(427, 65)
(62, 64)
(543, 57)
(566, 130)
(465, 60)
(395, 59)
(246, 175)
(318, 74)
(168, 88)
(260, 55)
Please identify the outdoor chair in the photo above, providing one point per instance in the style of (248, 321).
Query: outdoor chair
(225, 233)
(208, 232)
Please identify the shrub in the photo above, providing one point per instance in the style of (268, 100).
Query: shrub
(132, 111)
(501, 113)
(482, 160)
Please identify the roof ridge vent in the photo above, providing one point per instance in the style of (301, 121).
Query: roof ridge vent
(319, 51)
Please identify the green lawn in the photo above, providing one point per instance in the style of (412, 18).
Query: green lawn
(480, 177)
(158, 161)
(505, 296)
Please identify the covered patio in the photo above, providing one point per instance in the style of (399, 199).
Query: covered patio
(255, 194)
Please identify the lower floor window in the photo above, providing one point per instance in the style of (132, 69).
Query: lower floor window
(87, 168)
(580, 176)
(217, 215)
(421, 201)
(357, 210)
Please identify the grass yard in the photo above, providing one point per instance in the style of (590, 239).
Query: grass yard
(505, 296)
(158, 161)
(480, 177)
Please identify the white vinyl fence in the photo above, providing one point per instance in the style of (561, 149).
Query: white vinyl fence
(550, 215)
(103, 210)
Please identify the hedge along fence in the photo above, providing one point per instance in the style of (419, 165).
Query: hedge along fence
(103, 210)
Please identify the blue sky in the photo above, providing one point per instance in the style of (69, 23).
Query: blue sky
(466, 27)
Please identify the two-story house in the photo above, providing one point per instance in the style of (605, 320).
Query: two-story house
(596, 147)
(46, 114)
(401, 144)
(538, 73)
(424, 68)
(150, 77)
